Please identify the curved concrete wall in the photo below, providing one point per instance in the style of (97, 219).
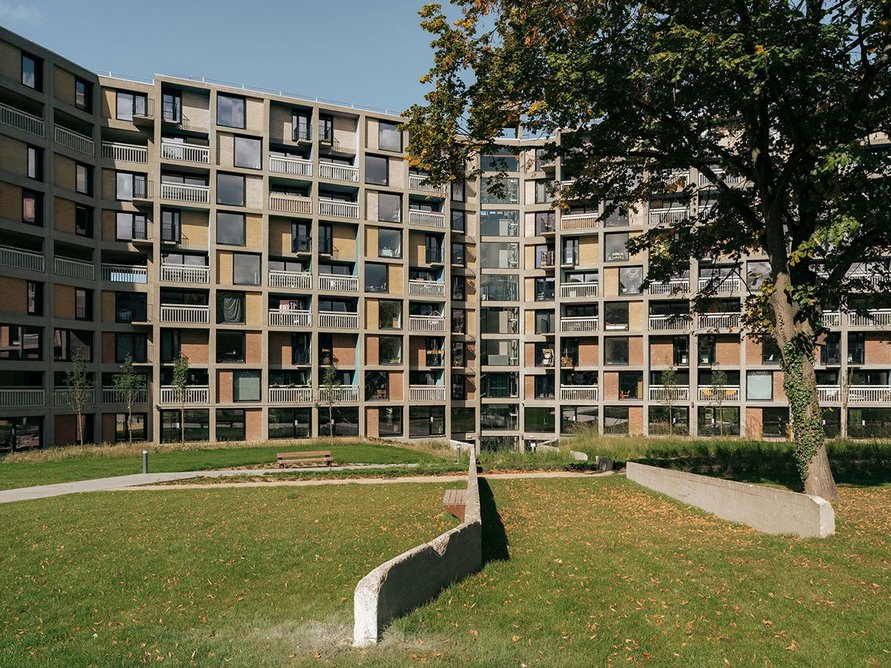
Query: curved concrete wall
(774, 511)
(414, 577)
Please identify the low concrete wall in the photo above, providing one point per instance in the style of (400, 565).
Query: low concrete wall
(774, 511)
(416, 576)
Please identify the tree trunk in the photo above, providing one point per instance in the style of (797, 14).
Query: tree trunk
(80, 429)
(130, 421)
(182, 425)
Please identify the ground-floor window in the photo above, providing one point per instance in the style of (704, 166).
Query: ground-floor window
(500, 443)
(577, 418)
(136, 428)
(718, 421)
(426, 421)
(230, 424)
(346, 421)
(389, 421)
(775, 422)
(674, 421)
(196, 421)
(832, 422)
(540, 420)
(615, 419)
(20, 433)
(869, 422)
(290, 422)
(463, 420)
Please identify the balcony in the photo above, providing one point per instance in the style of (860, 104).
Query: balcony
(579, 393)
(279, 164)
(75, 141)
(120, 273)
(20, 259)
(289, 203)
(579, 290)
(730, 181)
(426, 323)
(718, 321)
(192, 395)
(719, 394)
(298, 280)
(111, 395)
(874, 318)
(337, 283)
(831, 319)
(22, 121)
(339, 320)
(125, 152)
(289, 318)
(335, 172)
(580, 221)
(344, 393)
(182, 152)
(858, 394)
(724, 285)
(664, 394)
(184, 273)
(186, 315)
(417, 182)
(22, 397)
(64, 266)
(290, 395)
(418, 288)
(435, 219)
(578, 325)
(672, 287)
(62, 397)
(668, 216)
(679, 321)
(426, 393)
(829, 394)
(180, 192)
(333, 207)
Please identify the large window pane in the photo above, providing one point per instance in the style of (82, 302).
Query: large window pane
(376, 170)
(245, 269)
(230, 228)
(230, 111)
(389, 207)
(389, 137)
(246, 386)
(247, 152)
(230, 189)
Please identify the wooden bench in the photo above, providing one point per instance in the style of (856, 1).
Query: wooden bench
(310, 457)
(454, 500)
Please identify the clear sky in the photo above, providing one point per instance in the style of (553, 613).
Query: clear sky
(366, 52)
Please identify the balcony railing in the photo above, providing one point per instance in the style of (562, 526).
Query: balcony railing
(579, 290)
(182, 152)
(418, 288)
(64, 266)
(726, 285)
(125, 152)
(731, 181)
(112, 395)
(718, 321)
(290, 395)
(335, 172)
(331, 207)
(338, 283)
(185, 273)
(585, 324)
(75, 141)
(344, 393)
(292, 166)
(19, 259)
(189, 315)
(426, 323)
(427, 218)
(677, 286)
(22, 397)
(675, 321)
(121, 273)
(300, 280)
(288, 203)
(289, 318)
(426, 393)
(668, 216)
(62, 396)
(417, 182)
(579, 393)
(665, 394)
(876, 317)
(869, 393)
(831, 319)
(716, 394)
(192, 395)
(829, 393)
(580, 221)
(180, 192)
(339, 320)
(21, 121)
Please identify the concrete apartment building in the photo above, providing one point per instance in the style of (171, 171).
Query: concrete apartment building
(261, 235)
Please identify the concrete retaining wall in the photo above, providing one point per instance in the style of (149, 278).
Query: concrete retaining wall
(416, 576)
(773, 511)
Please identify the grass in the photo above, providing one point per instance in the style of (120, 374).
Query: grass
(68, 464)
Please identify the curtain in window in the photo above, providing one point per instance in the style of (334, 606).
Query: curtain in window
(232, 308)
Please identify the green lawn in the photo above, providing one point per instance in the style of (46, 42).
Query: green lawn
(47, 467)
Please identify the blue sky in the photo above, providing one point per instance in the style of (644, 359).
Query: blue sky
(366, 52)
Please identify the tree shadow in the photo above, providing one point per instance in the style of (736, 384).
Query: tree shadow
(494, 537)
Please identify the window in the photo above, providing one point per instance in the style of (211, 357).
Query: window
(68, 342)
(129, 226)
(458, 191)
(503, 161)
(230, 228)
(544, 322)
(230, 346)
(247, 152)
(707, 350)
(830, 352)
(630, 279)
(389, 314)
(230, 111)
(172, 106)
(426, 421)
(544, 289)
(196, 425)
(246, 386)
(83, 95)
(856, 347)
(463, 420)
(35, 163)
(496, 255)
(377, 170)
(128, 343)
(573, 418)
(32, 207)
(389, 138)
(499, 416)
(500, 191)
(129, 105)
(389, 243)
(718, 421)
(759, 385)
(614, 247)
(35, 298)
(540, 420)
(376, 277)
(230, 189)
(83, 220)
(389, 421)
(290, 422)
(302, 123)
(458, 390)
(615, 315)
(326, 128)
(631, 385)
(615, 419)
(458, 254)
(499, 223)
(433, 248)
(170, 345)
(170, 225)
(390, 349)
(230, 424)
(130, 186)
(570, 251)
(83, 304)
(326, 238)
(32, 71)
(230, 307)
(300, 348)
(134, 431)
(459, 221)
(21, 343)
(542, 195)
(389, 207)
(615, 350)
(459, 288)
(245, 269)
(83, 179)
(130, 307)
(770, 351)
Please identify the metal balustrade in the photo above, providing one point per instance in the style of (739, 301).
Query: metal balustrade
(291, 166)
(331, 207)
(20, 259)
(196, 394)
(579, 290)
(22, 397)
(63, 396)
(419, 288)
(188, 315)
(580, 221)
(180, 192)
(289, 318)
(726, 285)
(869, 394)
(185, 273)
(585, 324)
(125, 152)
(339, 320)
(75, 141)
(343, 393)
(579, 393)
(335, 172)
(288, 203)
(678, 286)
(664, 394)
(829, 393)
(426, 393)
(22, 121)
(831, 319)
(290, 279)
(183, 152)
(418, 182)
(427, 218)
(675, 321)
(875, 317)
(338, 283)
(426, 323)
(121, 273)
(64, 266)
(290, 395)
(715, 394)
(112, 395)
(718, 321)
(668, 216)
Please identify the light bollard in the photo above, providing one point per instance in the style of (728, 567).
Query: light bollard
(145, 461)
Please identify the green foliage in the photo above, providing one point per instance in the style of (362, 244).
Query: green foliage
(128, 383)
(330, 382)
(80, 388)
(180, 383)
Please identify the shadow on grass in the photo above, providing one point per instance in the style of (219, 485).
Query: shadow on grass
(495, 543)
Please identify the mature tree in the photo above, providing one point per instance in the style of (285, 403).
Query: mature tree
(128, 383)
(79, 391)
(779, 104)
(180, 385)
